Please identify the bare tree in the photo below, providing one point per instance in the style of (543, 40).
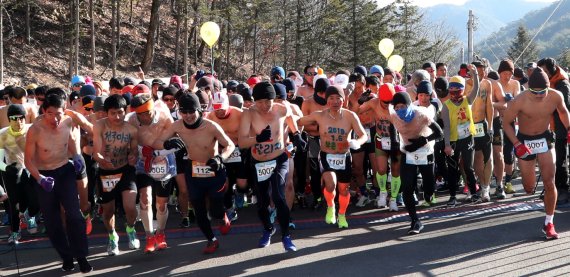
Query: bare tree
(28, 27)
(92, 34)
(114, 36)
(153, 25)
(1, 41)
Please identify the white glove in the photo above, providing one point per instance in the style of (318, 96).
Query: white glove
(353, 144)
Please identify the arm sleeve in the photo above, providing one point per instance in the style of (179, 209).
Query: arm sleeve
(445, 118)
(437, 133)
(2, 163)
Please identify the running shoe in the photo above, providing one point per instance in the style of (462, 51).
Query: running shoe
(476, 199)
(549, 231)
(381, 200)
(265, 239)
(32, 225)
(211, 247)
(509, 189)
(500, 193)
(185, 223)
(465, 189)
(342, 221)
(400, 200)
(452, 202)
(485, 191)
(393, 205)
(67, 265)
(191, 216)
(292, 224)
(430, 202)
(416, 227)
(416, 201)
(84, 265)
(362, 201)
(288, 244)
(160, 240)
(134, 242)
(239, 200)
(23, 223)
(330, 216)
(150, 244)
(14, 238)
(113, 246)
(225, 225)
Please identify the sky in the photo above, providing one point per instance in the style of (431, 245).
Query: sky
(429, 3)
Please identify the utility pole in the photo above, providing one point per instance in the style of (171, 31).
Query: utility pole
(470, 27)
(462, 51)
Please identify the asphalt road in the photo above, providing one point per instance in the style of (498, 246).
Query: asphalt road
(491, 239)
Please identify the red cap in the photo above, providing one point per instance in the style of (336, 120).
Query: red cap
(127, 89)
(387, 92)
(253, 80)
(140, 88)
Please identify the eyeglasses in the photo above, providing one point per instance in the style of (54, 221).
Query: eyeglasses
(16, 117)
(168, 99)
(186, 111)
(311, 73)
(538, 92)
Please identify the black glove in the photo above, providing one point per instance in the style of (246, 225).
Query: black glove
(416, 144)
(364, 97)
(299, 142)
(215, 163)
(174, 143)
(265, 135)
(12, 169)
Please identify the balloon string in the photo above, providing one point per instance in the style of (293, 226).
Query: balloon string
(212, 56)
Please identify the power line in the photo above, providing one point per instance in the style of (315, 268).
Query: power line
(539, 30)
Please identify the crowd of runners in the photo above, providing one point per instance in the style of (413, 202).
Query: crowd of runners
(313, 140)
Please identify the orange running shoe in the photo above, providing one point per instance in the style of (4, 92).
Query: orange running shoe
(160, 241)
(88, 224)
(150, 242)
(211, 247)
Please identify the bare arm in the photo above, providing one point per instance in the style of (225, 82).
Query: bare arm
(224, 141)
(499, 95)
(166, 134)
(308, 120)
(291, 120)
(80, 120)
(244, 140)
(509, 116)
(30, 152)
(475, 89)
(358, 129)
(98, 145)
(366, 106)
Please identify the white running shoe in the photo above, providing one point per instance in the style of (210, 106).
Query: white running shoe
(485, 196)
(381, 200)
(393, 205)
(362, 201)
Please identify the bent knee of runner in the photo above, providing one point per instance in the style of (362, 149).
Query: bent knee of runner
(343, 188)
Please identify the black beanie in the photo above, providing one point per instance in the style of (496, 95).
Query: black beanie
(16, 109)
(506, 65)
(441, 87)
(280, 91)
(321, 85)
(401, 98)
(87, 90)
(424, 87)
(189, 102)
(335, 89)
(360, 69)
(263, 90)
(538, 79)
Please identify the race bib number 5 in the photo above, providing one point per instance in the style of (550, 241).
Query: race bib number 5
(110, 181)
(537, 146)
(264, 170)
(201, 170)
(419, 157)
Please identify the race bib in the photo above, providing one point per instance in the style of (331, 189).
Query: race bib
(419, 157)
(110, 181)
(235, 157)
(201, 170)
(537, 146)
(264, 170)
(463, 130)
(337, 161)
(367, 130)
(479, 130)
(159, 168)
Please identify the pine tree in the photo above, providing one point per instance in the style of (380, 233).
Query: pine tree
(518, 46)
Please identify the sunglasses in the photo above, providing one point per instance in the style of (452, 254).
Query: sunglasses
(311, 73)
(16, 117)
(455, 91)
(186, 111)
(88, 109)
(40, 99)
(168, 99)
(538, 92)
(78, 85)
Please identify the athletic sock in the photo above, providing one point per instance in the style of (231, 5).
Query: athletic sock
(395, 189)
(161, 218)
(549, 219)
(329, 197)
(343, 201)
(381, 180)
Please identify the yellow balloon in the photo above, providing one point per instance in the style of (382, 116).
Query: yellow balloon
(386, 46)
(396, 62)
(210, 32)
